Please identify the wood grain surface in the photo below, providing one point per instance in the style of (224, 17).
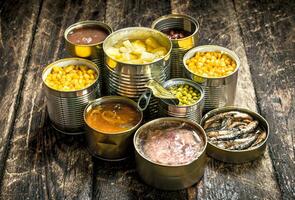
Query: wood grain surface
(37, 162)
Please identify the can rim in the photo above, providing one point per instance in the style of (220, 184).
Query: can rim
(235, 108)
(105, 26)
(199, 127)
(67, 59)
(110, 98)
(196, 86)
(177, 16)
(131, 29)
(209, 48)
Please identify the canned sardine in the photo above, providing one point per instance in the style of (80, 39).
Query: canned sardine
(69, 85)
(219, 84)
(183, 31)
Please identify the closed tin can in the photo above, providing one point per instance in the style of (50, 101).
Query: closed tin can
(182, 45)
(220, 91)
(129, 80)
(110, 146)
(65, 108)
(192, 112)
(169, 177)
(236, 156)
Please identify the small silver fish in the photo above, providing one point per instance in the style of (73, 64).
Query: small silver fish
(243, 143)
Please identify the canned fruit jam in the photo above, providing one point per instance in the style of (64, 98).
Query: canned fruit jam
(171, 143)
(112, 117)
(87, 35)
(186, 94)
(175, 34)
(137, 51)
(211, 64)
(70, 78)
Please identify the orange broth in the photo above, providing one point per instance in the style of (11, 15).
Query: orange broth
(113, 117)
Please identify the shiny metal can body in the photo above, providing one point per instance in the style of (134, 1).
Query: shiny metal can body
(179, 46)
(192, 112)
(236, 156)
(219, 92)
(166, 177)
(129, 80)
(65, 109)
(110, 146)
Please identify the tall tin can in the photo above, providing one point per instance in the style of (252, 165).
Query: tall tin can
(219, 92)
(192, 112)
(179, 46)
(129, 80)
(65, 108)
(93, 52)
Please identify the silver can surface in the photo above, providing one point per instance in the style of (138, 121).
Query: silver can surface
(110, 146)
(221, 91)
(192, 112)
(182, 45)
(129, 80)
(236, 156)
(65, 108)
(169, 177)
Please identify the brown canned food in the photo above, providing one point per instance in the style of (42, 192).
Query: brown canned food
(235, 135)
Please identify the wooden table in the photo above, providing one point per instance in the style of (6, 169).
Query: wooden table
(37, 162)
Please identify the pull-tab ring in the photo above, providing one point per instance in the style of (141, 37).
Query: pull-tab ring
(144, 100)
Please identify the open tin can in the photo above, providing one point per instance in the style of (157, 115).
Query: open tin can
(236, 156)
(164, 176)
(221, 91)
(93, 52)
(65, 108)
(192, 112)
(129, 80)
(182, 45)
(110, 146)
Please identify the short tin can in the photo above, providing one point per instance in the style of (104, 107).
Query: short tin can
(192, 112)
(65, 108)
(169, 177)
(182, 45)
(236, 156)
(110, 146)
(129, 80)
(221, 91)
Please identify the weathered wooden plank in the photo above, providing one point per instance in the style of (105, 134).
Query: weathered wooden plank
(268, 33)
(16, 36)
(42, 163)
(120, 180)
(218, 25)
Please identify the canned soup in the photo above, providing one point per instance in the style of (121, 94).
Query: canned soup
(113, 117)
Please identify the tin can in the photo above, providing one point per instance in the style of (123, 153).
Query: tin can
(192, 112)
(129, 80)
(110, 146)
(179, 46)
(236, 156)
(93, 52)
(219, 92)
(65, 109)
(169, 177)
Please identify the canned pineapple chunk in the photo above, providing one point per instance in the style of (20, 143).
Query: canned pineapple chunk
(211, 64)
(70, 78)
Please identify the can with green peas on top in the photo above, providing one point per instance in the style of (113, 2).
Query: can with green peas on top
(190, 96)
